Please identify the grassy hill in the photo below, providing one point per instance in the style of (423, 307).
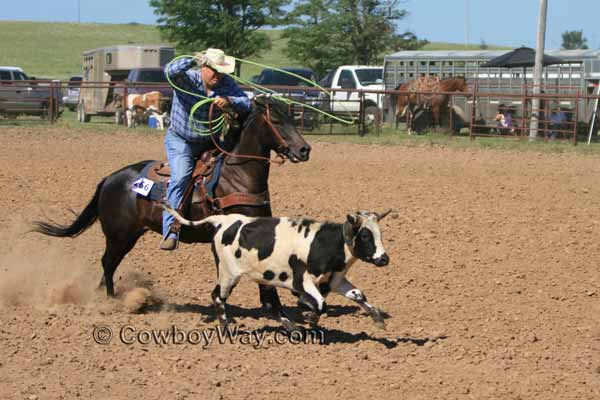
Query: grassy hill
(53, 50)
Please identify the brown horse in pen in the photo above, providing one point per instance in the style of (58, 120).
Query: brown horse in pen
(426, 93)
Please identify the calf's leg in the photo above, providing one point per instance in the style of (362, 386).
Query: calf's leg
(311, 298)
(341, 285)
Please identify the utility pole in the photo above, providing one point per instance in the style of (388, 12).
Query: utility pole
(466, 24)
(537, 70)
(79, 11)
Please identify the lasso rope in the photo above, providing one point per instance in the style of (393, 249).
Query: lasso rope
(217, 125)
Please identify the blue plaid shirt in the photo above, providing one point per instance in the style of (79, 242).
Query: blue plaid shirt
(191, 81)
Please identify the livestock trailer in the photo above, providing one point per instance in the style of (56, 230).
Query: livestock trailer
(579, 73)
(104, 69)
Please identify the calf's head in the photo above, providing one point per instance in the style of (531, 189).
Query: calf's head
(363, 237)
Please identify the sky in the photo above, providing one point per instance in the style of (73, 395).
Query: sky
(502, 22)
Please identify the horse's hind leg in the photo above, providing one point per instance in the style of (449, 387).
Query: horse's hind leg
(116, 249)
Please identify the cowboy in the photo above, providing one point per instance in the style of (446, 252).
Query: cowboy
(182, 141)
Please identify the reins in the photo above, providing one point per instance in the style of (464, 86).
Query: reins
(282, 143)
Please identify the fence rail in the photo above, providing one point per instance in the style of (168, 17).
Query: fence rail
(564, 111)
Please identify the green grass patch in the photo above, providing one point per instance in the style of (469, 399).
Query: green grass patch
(387, 136)
(391, 137)
(53, 50)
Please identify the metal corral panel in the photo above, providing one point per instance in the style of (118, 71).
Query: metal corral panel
(580, 71)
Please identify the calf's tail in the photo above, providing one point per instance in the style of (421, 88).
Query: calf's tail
(213, 220)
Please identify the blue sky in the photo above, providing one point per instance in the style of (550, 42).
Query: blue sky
(507, 22)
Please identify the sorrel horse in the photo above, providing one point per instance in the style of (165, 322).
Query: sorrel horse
(427, 93)
(125, 217)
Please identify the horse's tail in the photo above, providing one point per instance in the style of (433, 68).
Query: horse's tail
(83, 221)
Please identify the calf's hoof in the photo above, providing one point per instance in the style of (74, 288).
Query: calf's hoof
(378, 318)
(313, 319)
(291, 327)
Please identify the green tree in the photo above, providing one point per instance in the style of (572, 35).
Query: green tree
(232, 25)
(574, 40)
(327, 33)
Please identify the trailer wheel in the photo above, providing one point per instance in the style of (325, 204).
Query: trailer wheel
(119, 117)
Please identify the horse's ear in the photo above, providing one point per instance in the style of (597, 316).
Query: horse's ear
(259, 100)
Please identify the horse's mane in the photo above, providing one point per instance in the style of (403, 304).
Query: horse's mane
(259, 105)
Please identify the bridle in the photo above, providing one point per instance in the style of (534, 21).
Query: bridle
(280, 150)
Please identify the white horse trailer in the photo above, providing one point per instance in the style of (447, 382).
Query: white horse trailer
(105, 67)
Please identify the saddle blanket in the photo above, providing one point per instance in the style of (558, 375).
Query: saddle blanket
(157, 191)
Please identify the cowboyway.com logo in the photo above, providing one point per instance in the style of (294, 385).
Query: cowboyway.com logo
(129, 335)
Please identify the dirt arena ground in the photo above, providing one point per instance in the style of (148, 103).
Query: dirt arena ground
(493, 290)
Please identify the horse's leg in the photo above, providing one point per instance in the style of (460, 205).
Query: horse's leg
(116, 249)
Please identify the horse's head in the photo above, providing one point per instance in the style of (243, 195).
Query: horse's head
(454, 84)
(277, 131)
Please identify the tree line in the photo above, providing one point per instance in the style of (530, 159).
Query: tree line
(322, 34)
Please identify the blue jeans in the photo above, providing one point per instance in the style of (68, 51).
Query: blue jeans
(180, 155)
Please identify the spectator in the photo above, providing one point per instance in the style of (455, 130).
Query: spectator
(557, 122)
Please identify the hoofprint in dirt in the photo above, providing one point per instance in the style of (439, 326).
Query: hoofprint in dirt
(492, 290)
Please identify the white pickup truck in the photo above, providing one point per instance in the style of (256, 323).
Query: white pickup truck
(359, 77)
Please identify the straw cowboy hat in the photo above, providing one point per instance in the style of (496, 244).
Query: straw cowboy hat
(217, 60)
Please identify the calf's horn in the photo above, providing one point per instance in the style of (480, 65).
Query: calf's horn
(382, 216)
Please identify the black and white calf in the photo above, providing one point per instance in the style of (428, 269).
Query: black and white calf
(308, 257)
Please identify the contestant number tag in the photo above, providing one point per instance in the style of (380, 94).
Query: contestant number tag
(142, 186)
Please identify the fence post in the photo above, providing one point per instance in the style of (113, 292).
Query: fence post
(362, 128)
(473, 110)
(524, 109)
(451, 114)
(576, 118)
(51, 103)
(125, 94)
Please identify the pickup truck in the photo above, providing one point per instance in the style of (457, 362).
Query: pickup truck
(21, 95)
(274, 79)
(359, 77)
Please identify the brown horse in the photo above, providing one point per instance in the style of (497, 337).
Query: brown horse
(125, 217)
(427, 93)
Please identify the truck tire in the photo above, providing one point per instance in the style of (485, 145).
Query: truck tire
(81, 115)
(373, 116)
(45, 111)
